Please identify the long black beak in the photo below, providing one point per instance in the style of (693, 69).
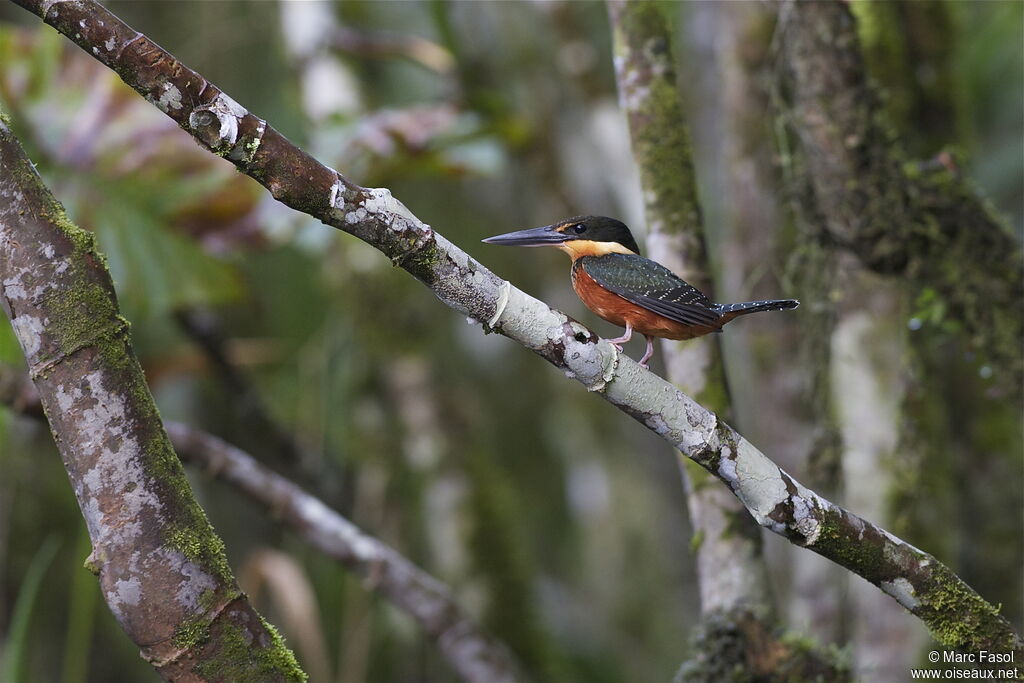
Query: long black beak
(533, 237)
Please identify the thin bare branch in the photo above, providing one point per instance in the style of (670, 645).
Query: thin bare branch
(475, 655)
(956, 615)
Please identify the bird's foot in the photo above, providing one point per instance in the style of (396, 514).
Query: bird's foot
(648, 353)
(619, 341)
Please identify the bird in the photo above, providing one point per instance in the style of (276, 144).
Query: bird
(614, 281)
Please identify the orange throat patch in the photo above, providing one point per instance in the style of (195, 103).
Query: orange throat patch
(580, 248)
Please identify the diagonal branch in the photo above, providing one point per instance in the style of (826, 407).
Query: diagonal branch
(956, 615)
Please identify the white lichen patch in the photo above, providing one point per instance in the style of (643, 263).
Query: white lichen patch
(357, 216)
(109, 44)
(124, 592)
(66, 399)
(117, 473)
(633, 90)
(805, 516)
(194, 583)
(592, 364)
(128, 590)
(28, 329)
(759, 482)
(170, 98)
(902, 590)
(682, 422)
(528, 320)
(336, 197)
(381, 201)
(727, 466)
(499, 306)
(14, 289)
(31, 283)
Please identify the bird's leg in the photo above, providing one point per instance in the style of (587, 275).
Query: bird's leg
(619, 341)
(649, 352)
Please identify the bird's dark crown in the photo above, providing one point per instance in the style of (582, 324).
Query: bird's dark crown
(598, 229)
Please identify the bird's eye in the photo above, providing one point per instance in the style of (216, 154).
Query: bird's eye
(579, 228)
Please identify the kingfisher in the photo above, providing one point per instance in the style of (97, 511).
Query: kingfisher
(614, 281)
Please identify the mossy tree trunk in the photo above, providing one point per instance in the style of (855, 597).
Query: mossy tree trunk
(784, 360)
(960, 453)
(951, 257)
(921, 222)
(161, 566)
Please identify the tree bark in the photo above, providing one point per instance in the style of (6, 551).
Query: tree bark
(161, 566)
(957, 616)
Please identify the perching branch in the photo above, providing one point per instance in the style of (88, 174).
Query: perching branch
(161, 566)
(470, 652)
(957, 616)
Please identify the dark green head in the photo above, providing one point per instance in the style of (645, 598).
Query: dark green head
(579, 236)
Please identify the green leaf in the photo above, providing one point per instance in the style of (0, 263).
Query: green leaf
(14, 648)
(10, 349)
(156, 270)
(81, 617)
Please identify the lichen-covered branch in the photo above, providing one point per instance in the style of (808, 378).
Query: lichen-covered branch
(920, 221)
(957, 615)
(161, 566)
(470, 652)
